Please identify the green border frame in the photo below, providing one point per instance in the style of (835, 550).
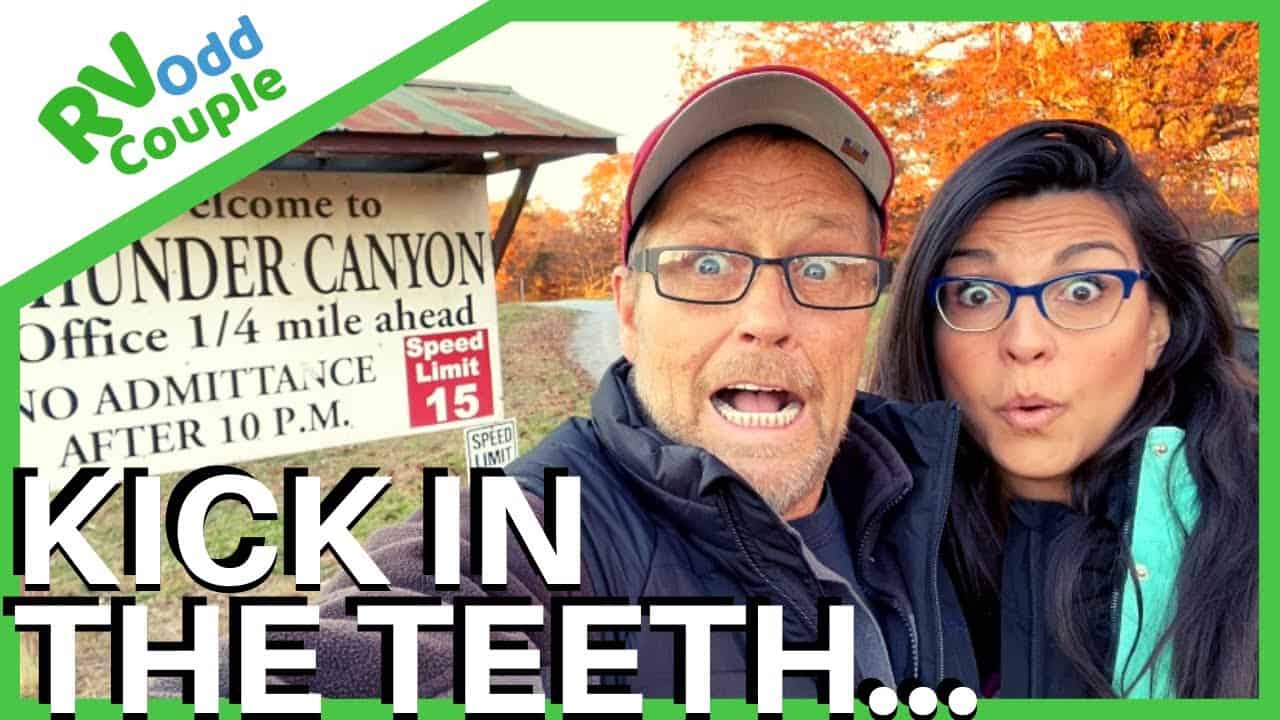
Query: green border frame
(449, 40)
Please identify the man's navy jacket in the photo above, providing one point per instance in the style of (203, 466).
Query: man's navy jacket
(661, 519)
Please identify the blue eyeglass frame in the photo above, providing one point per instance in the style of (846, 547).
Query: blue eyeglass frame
(1128, 277)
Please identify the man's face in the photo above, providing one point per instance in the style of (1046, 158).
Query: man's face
(764, 384)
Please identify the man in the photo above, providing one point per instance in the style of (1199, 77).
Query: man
(724, 456)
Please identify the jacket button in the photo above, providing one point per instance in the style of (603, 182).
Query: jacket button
(1160, 448)
(1142, 572)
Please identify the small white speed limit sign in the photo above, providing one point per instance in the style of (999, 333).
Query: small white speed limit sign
(492, 445)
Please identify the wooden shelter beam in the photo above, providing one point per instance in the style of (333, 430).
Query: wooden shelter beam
(510, 214)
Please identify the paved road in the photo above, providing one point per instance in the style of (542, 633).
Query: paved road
(595, 339)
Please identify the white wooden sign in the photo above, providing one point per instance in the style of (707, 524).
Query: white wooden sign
(290, 312)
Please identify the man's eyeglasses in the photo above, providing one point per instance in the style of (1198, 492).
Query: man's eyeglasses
(712, 276)
(1075, 301)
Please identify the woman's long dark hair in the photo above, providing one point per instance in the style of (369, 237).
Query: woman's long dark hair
(1196, 384)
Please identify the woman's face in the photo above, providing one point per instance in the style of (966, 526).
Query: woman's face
(1038, 398)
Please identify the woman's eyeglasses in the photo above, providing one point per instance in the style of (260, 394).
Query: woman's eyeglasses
(1075, 301)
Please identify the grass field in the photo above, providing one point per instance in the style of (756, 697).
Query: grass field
(542, 387)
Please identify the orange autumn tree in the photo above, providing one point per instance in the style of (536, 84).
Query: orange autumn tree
(530, 254)
(597, 222)
(567, 255)
(1185, 95)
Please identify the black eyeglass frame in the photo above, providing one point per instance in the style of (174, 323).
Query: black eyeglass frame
(1127, 276)
(647, 261)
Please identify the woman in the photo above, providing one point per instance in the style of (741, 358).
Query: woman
(1103, 531)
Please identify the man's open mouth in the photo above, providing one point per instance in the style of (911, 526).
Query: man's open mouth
(756, 406)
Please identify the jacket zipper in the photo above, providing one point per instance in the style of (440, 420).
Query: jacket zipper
(947, 469)
(1119, 589)
(944, 470)
(872, 528)
(1037, 624)
(1126, 529)
(742, 547)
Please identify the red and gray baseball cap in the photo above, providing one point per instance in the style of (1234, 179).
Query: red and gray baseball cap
(765, 95)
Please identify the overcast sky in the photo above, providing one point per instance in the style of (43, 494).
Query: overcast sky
(620, 76)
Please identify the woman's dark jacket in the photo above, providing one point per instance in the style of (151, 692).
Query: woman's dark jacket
(1129, 548)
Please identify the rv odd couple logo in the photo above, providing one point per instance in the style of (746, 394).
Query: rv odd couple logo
(214, 75)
